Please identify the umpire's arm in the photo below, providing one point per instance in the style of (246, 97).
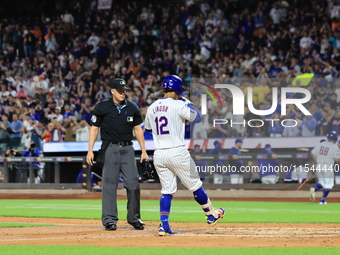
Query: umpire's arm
(139, 132)
(93, 136)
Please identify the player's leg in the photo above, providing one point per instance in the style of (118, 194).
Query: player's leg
(213, 215)
(169, 187)
(319, 185)
(325, 193)
(328, 185)
(164, 208)
(185, 168)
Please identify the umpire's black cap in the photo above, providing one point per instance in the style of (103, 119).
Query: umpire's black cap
(118, 84)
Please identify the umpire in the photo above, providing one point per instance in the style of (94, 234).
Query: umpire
(118, 118)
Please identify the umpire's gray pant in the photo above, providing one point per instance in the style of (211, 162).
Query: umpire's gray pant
(120, 159)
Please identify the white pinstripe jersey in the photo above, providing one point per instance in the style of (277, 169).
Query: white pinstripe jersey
(166, 118)
(326, 152)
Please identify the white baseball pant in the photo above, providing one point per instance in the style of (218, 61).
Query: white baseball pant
(325, 177)
(173, 162)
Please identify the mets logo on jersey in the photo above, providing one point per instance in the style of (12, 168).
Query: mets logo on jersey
(130, 118)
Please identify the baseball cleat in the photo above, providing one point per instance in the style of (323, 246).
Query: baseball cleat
(312, 194)
(163, 231)
(211, 220)
(323, 202)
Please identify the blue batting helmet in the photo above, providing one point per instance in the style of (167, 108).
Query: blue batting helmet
(173, 82)
(332, 136)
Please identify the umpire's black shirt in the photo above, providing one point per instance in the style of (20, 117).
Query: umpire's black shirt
(116, 121)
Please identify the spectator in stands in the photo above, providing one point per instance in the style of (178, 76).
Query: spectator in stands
(336, 122)
(50, 40)
(17, 128)
(325, 123)
(275, 128)
(308, 126)
(292, 128)
(82, 131)
(5, 133)
(56, 130)
(70, 123)
(29, 43)
(93, 41)
(47, 133)
(275, 69)
(35, 132)
(86, 110)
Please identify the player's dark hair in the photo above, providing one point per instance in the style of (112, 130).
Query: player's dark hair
(167, 90)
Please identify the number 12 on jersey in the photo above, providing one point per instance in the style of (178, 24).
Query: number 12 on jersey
(161, 124)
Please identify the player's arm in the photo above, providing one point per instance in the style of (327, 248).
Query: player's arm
(337, 156)
(185, 100)
(190, 113)
(314, 152)
(314, 156)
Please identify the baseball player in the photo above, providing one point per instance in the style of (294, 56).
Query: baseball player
(337, 169)
(218, 176)
(236, 176)
(266, 167)
(324, 154)
(166, 119)
(196, 155)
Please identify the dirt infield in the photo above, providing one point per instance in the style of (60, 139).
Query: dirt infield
(223, 235)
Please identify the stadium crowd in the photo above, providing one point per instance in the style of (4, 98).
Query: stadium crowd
(55, 67)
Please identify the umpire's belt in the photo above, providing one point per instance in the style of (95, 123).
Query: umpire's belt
(122, 144)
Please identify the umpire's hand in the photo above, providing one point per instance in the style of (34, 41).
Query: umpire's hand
(89, 158)
(144, 156)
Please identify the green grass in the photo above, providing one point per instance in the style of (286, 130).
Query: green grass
(81, 250)
(21, 225)
(181, 211)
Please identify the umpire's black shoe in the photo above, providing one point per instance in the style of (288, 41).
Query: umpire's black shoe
(139, 225)
(111, 227)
